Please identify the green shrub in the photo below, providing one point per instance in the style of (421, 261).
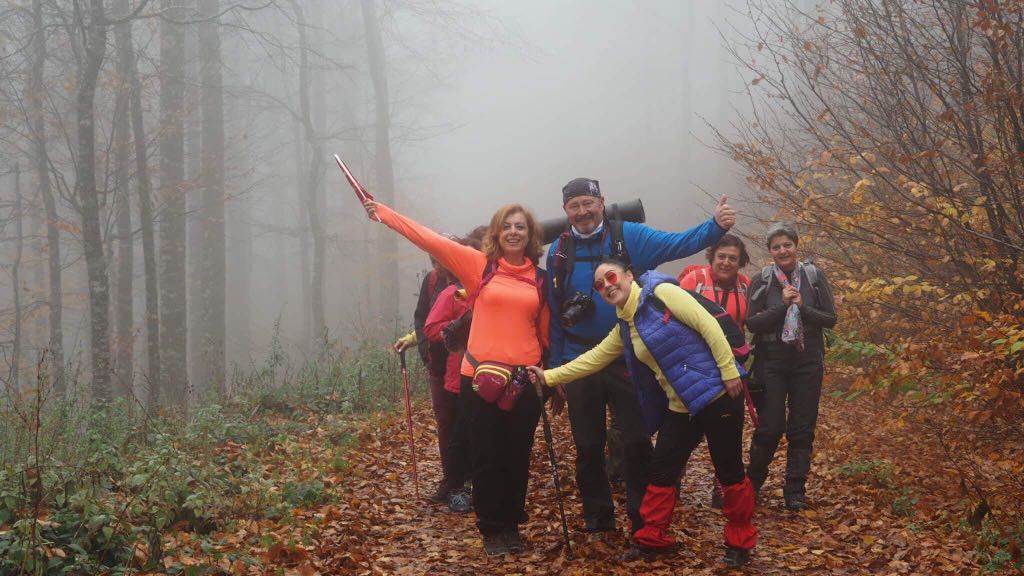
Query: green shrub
(877, 472)
(83, 487)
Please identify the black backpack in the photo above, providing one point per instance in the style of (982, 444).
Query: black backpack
(767, 278)
(736, 338)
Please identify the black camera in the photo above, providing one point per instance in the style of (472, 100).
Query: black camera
(578, 307)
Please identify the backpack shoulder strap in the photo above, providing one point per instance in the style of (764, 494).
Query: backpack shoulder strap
(619, 251)
(563, 263)
(766, 281)
(486, 277)
(812, 277)
(812, 272)
(704, 281)
(538, 278)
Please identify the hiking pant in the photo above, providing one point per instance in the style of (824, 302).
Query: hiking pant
(722, 423)
(444, 415)
(792, 383)
(457, 459)
(587, 400)
(501, 443)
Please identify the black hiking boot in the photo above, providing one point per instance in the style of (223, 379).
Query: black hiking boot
(736, 557)
(796, 502)
(514, 540)
(440, 496)
(495, 545)
(637, 552)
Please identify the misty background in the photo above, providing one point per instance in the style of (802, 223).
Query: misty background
(487, 102)
(618, 92)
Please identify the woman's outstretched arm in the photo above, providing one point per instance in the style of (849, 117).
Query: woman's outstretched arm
(466, 263)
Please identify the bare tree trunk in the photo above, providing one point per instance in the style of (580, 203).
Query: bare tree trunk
(319, 115)
(149, 257)
(303, 227)
(238, 229)
(312, 181)
(385, 189)
(95, 33)
(173, 335)
(42, 166)
(127, 65)
(123, 313)
(16, 280)
(212, 255)
(194, 211)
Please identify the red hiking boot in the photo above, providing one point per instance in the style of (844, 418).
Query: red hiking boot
(657, 507)
(738, 509)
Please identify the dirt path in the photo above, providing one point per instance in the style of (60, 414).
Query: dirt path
(853, 528)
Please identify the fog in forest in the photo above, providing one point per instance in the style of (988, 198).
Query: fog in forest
(225, 115)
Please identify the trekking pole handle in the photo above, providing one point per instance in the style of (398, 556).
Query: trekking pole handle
(538, 387)
(357, 187)
(401, 358)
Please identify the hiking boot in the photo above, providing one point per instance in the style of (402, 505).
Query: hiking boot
(638, 552)
(495, 545)
(736, 557)
(514, 540)
(717, 498)
(458, 502)
(796, 502)
(440, 496)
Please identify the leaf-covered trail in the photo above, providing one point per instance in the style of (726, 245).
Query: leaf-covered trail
(853, 528)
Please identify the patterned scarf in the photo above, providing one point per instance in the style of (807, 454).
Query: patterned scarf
(793, 326)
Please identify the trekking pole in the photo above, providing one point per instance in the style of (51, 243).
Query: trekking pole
(361, 193)
(549, 440)
(408, 421)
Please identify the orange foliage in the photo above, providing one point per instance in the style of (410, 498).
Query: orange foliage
(894, 133)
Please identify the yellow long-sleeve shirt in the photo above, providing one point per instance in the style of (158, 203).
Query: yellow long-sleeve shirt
(685, 309)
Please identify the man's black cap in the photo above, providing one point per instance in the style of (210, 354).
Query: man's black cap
(580, 187)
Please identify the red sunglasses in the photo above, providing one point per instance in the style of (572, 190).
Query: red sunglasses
(611, 277)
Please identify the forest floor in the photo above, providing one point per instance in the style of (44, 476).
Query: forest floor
(882, 504)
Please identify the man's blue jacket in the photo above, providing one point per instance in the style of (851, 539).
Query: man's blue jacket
(648, 248)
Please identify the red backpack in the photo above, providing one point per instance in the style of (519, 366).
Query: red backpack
(705, 286)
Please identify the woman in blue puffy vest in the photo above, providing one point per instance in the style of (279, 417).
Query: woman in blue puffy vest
(688, 384)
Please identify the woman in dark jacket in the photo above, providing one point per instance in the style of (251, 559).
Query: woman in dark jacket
(790, 304)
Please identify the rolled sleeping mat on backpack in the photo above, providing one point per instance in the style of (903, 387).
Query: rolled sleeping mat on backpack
(631, 211)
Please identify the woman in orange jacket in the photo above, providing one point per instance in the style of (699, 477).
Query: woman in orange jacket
(509, 329)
